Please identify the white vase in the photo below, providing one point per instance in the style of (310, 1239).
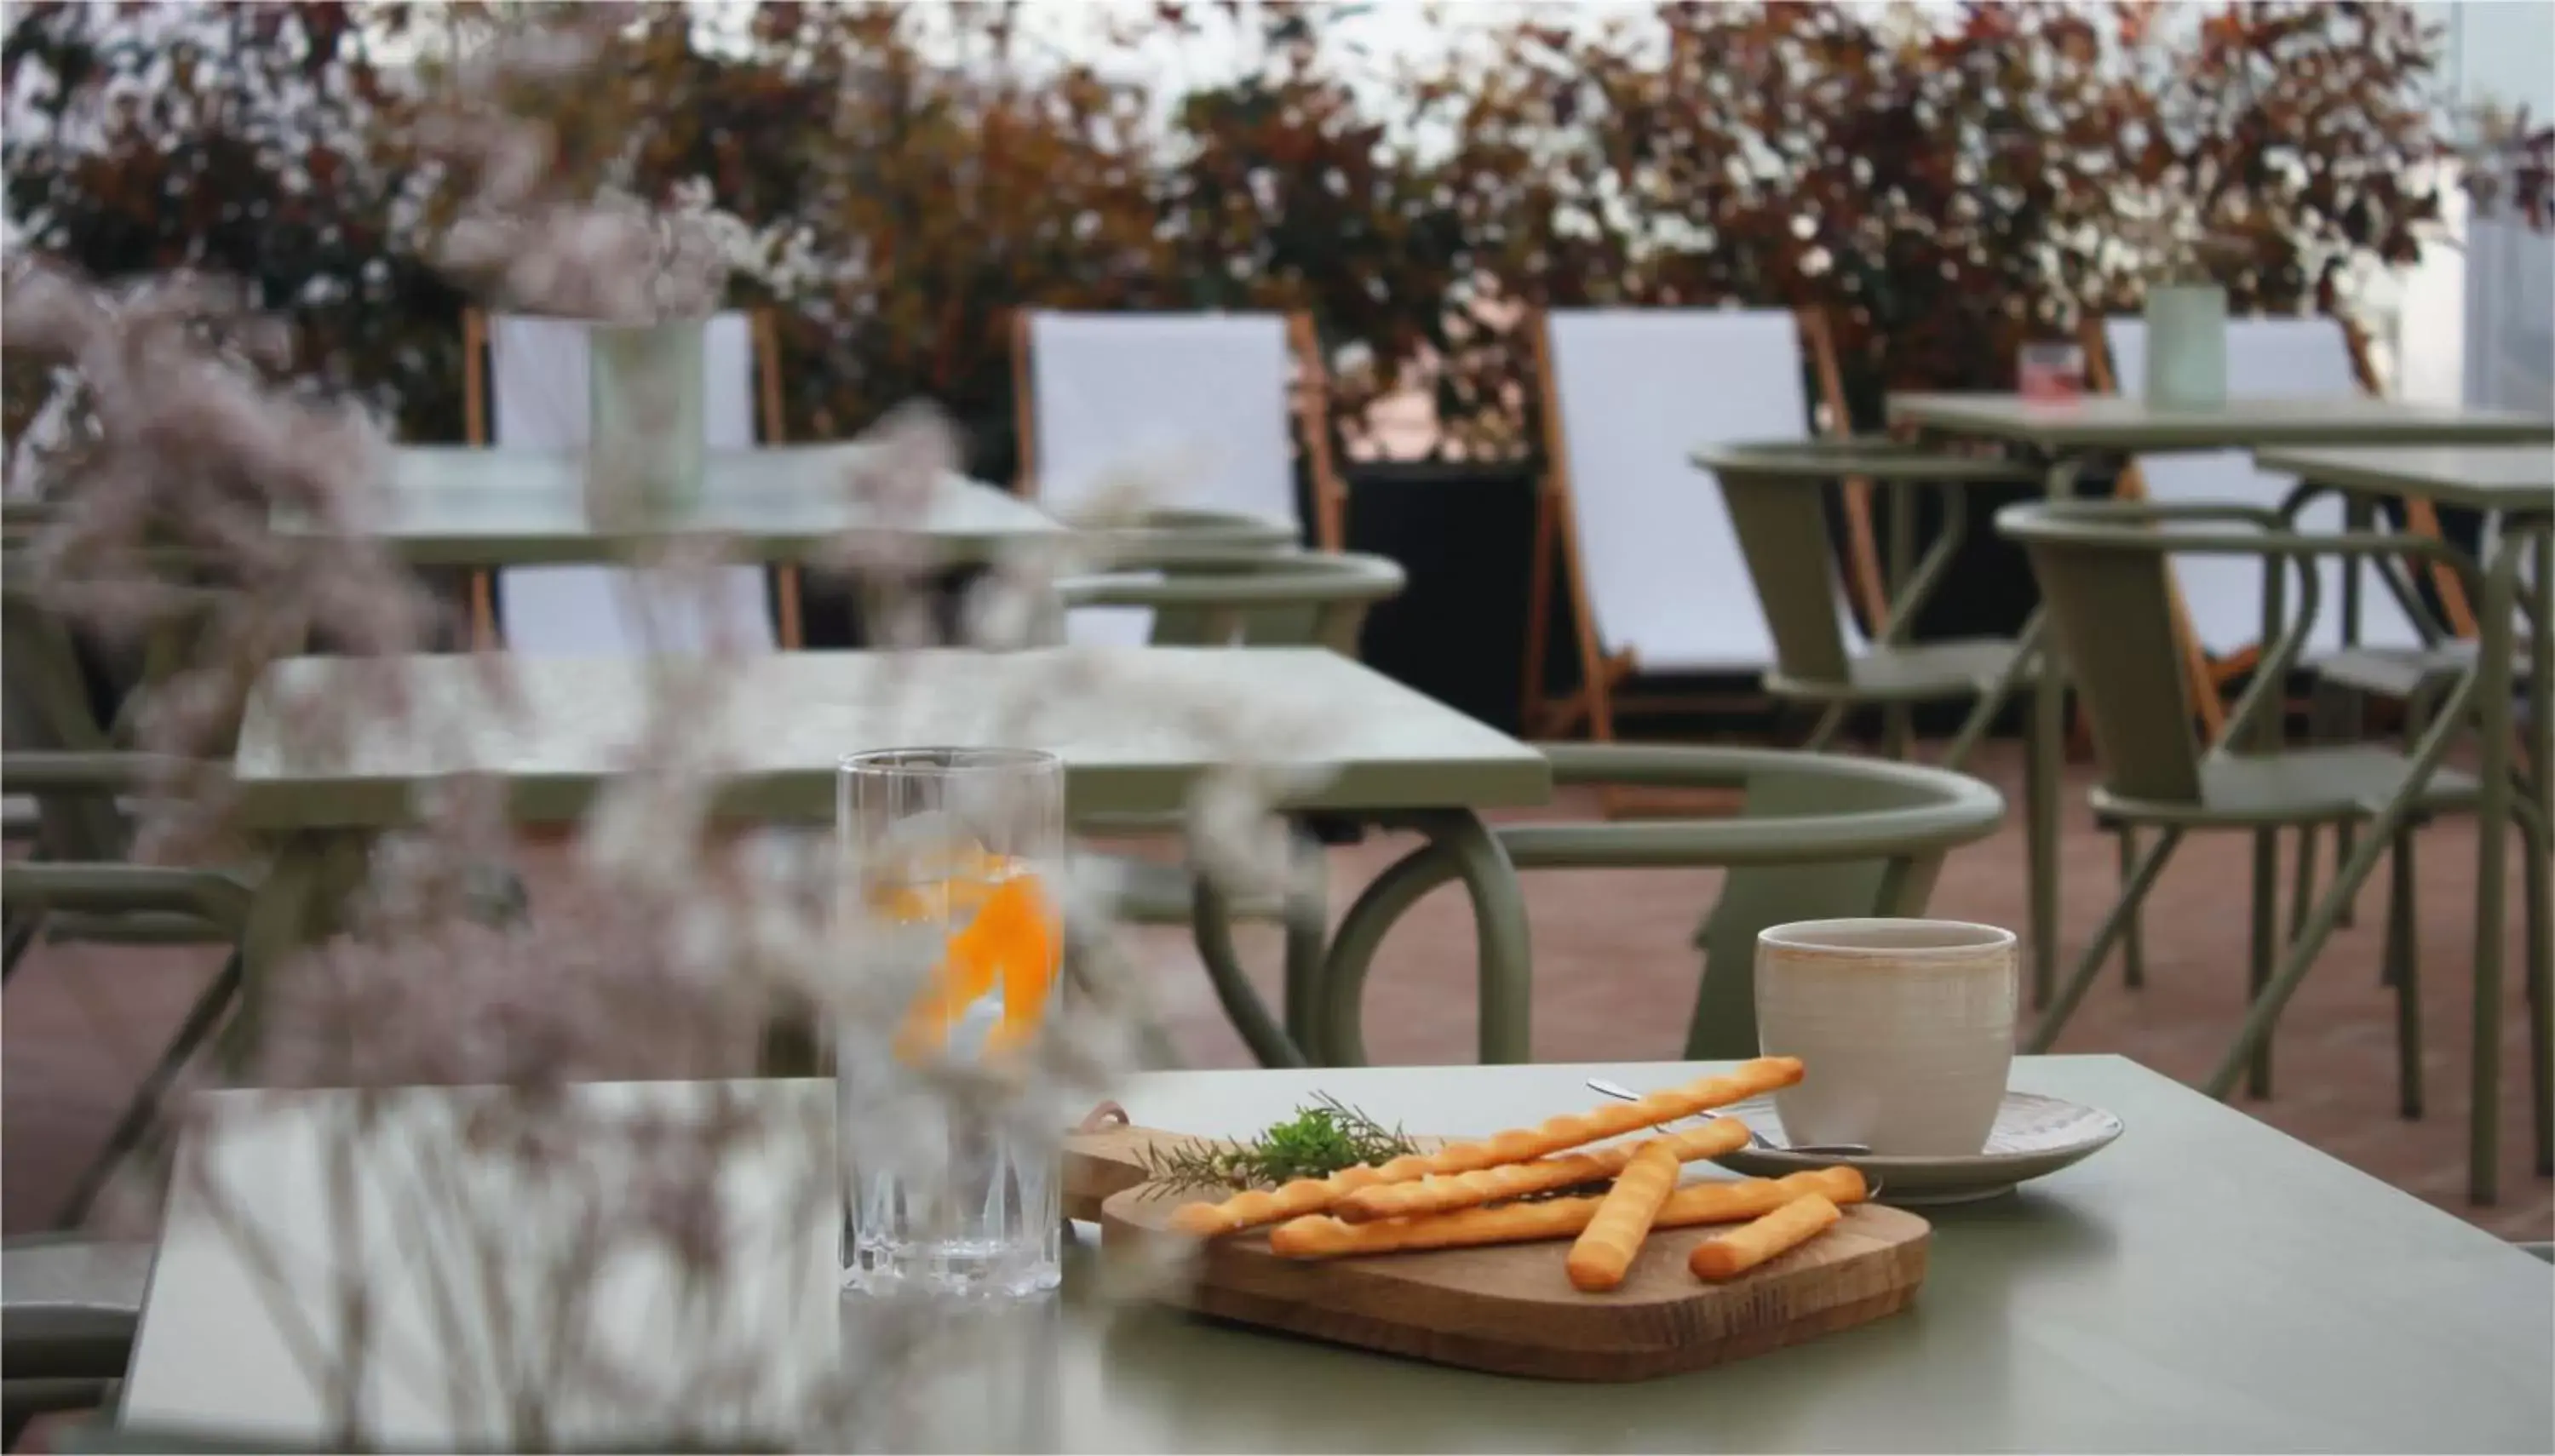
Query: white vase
(2186, 346)
(647, 449)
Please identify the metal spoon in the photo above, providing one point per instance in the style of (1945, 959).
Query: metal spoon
(1830, 1150)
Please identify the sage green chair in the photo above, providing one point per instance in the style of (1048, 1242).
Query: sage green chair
(2102, 570)
(1243, 600)
(1820, 837)
(1777, 497)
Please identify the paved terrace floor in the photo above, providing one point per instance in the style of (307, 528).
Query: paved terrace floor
(1613, 980)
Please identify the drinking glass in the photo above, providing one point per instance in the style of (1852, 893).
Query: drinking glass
(949, 858)
(2051, 371)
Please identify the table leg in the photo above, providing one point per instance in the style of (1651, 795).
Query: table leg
(2045, 779)
(300, 903)
(2493, 648)
(1459, 847)
(2539, 867)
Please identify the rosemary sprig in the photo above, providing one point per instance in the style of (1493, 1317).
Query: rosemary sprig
(1323, 1139)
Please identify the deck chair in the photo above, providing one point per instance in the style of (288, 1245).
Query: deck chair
(68, 1310)
(1222, 399)
(1654, 574)
(531, 393)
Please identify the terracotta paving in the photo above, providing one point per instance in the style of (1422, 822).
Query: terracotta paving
(1615, 979)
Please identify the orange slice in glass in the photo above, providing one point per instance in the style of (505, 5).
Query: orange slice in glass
(1014, 943)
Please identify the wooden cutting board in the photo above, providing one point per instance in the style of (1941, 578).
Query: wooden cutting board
(1510, 1308)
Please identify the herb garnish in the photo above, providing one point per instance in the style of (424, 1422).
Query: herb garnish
(1326, 1137)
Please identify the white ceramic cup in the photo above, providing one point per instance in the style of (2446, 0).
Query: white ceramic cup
(1904, 1029)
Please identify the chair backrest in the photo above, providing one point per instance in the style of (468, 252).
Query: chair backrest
(1755, 897)
(2108, 595)
(1301, 599)
(539, 383)
(1780, 514)
(2267, 359)
(1632, 394)
(1201, 398)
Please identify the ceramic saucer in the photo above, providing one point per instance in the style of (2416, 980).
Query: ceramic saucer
(2035, 1136)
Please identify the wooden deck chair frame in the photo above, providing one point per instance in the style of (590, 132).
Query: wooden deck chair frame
(2210, 676)
(1556, 540)
(476, 370)
(1311, 408)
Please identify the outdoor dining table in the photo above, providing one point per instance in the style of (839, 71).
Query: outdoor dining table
(470, 506)
(2064, 438)
(2206, 1283)
(2513, 487)
(483, 508)
(1386, 755)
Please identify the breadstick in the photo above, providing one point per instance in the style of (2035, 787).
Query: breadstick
(1312, 1195)
(1729, 1255)
(1604, 1252)
(1716, 1202)
(1517, 1179)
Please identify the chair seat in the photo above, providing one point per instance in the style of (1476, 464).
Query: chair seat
(2307, 786)
(1923, 672)
(2402, 672)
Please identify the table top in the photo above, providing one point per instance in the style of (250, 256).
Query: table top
(2206, 1283)
(2512, 479)
(462, 506)
(2118, 423)
(1125, 719)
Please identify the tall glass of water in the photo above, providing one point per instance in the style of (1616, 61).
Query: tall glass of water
(950, 862)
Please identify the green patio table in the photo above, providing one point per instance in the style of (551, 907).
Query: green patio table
(1391, 757)
(485, 508)
(2065, 438)
(2206, 1283)
(2514, 488)
(468, 505)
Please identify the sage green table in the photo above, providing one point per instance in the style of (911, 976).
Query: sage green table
(2206, 1283)
(2064, 437)
(2514, 488)
(1120, 718)
(465, 506)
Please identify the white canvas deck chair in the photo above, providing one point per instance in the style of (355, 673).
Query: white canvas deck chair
(534, 394)
(2222, 596)
(1655, 578)
(1212, 403)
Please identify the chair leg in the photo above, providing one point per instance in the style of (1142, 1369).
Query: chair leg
(2402, 956)
(2302, 887)
(1897, 733)
(2133, 955)
(1828, 724)
(21, 933)
(1307, 935)
(141, 1114)
(2262, 949)
(2041, 790)
(2539, 973)
(2089, 963)
(2335, 716)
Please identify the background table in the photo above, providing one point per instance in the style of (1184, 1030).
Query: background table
(476, 507)
(2514, 488)
(1118, 717)
(2206, 1283)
